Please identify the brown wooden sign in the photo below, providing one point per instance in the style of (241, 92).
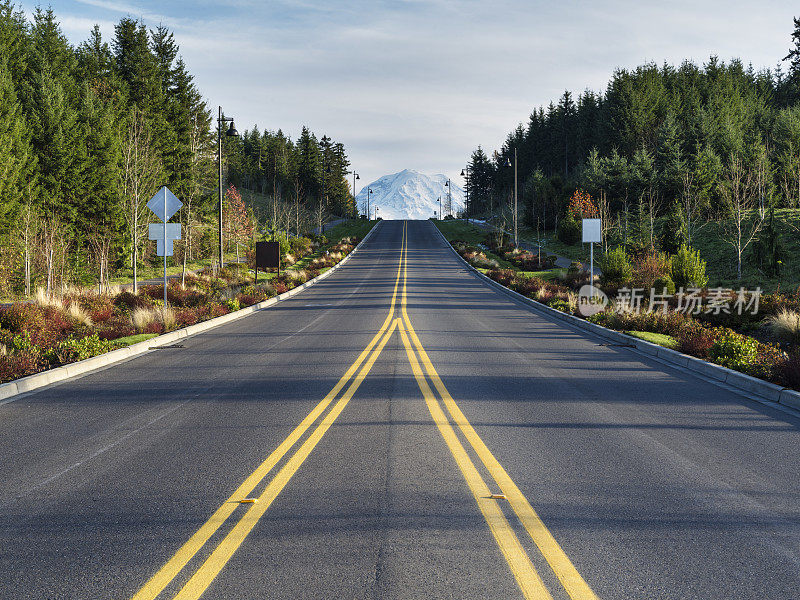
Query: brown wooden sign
(267, 255)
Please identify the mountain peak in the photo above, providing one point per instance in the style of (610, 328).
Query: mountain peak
(410, 194)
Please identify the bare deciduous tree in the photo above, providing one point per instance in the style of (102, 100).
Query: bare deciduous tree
(139, 178)
(744, 217)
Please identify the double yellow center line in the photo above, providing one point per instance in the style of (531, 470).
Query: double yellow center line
(525, 573)
(518, 560)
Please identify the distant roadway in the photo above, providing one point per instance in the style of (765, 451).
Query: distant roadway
(399, 430)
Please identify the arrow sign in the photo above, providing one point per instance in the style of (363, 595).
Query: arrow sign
(156, 232)
(164, 204)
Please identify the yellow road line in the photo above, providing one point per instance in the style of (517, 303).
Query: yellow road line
(525, 573)
(200, 581)
(180, 559)
(558, 560)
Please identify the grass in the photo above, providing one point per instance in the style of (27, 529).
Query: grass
(352, 227)
(134, 339)
(472, 234)
(661, 339)
(174, 267)
(461, 230)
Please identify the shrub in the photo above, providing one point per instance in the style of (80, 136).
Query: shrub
(186, 317)
(301, 246)
(232, 304)
(20, 364)
(650, 267)
(116, 327)
(131, 301)
(696, 340)
(734, 350)
(75, 349)
(562, 305)
(663, 282)
(616, 267)
(569, 230)
(688, 269)
(787, 371)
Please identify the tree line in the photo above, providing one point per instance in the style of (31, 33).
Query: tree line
(88, 133)
(676, 146)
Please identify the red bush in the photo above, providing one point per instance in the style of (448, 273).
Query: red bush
(186, 317)
(116, 327)
(20, 364)
(788, 371)
(154, 327)
(696, 340)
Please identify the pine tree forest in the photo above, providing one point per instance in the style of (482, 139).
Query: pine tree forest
(89, 133)
(669, 154)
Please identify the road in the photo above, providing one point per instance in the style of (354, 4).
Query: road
(371, 418)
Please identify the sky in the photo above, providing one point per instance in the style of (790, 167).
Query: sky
(412, 84)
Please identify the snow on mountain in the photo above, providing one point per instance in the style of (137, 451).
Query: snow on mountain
(409, 194)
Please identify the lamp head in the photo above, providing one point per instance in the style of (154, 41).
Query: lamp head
(232, 131)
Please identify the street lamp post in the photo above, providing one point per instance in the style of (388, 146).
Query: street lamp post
(508, 164)
(355, 176)
(466, 192)
(369, 212)
(439, 199)
(449, 204)
(230, 133)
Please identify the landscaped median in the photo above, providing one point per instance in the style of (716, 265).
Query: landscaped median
(747, 339)
(55, 338)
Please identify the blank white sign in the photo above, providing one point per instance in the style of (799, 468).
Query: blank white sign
(592, 231)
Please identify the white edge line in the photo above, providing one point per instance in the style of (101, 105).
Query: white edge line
(14, 390)
(752, 388)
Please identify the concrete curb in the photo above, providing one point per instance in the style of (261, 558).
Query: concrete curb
(32, 382)
(746, 383)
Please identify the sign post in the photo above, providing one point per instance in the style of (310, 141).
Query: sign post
(592, 232)
(164, 204)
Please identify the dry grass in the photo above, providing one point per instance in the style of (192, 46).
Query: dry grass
(299, 276)
(3, 350)
(141, 317)
(42, 298)
(289, 259)
(167, 317)
(785, 325)
(77, 314)
(336, 255)
(572, 300)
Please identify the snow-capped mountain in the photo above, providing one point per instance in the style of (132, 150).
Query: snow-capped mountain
(409, 194)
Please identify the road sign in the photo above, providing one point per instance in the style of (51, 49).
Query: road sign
(592, 232)
(268, 256)
(156, 232)
(164, 204)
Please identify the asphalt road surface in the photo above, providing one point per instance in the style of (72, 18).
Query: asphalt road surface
(400, 430)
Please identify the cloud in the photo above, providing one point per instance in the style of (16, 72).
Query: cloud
(420, 84)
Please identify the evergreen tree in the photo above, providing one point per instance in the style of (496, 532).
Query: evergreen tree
(17, 162)
(792, 81)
